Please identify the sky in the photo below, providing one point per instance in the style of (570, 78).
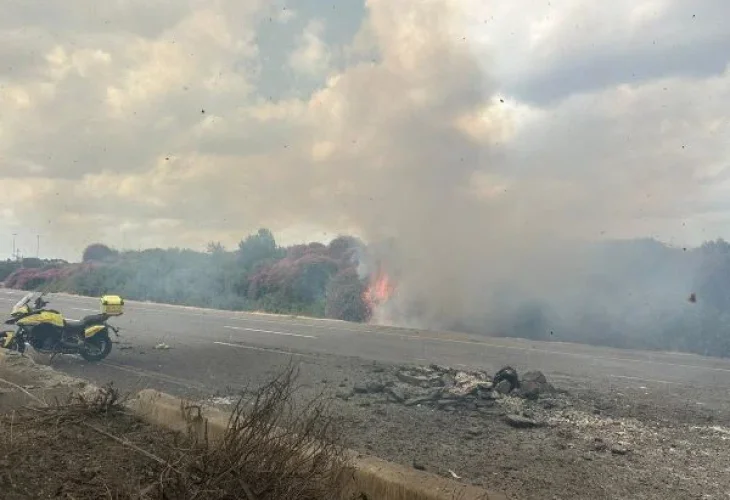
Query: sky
(449, 124)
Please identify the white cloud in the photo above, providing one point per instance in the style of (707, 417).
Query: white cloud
(496, 121)
(312, 56)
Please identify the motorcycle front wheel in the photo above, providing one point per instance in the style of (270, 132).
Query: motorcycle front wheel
(96, 348)
(16, 344)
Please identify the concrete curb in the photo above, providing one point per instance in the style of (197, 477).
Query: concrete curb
(372, 477)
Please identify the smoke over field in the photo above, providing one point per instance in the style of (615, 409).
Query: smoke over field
(630, 293)
(480, 213)
(488, 153)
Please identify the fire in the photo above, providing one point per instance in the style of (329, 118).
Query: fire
(379, 290)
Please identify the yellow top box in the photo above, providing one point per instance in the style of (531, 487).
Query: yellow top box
(112, 300)
(113, 305)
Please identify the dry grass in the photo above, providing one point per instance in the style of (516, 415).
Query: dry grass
(90, 447)
(272, 449)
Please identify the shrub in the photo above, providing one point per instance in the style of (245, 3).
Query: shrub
(345, 297)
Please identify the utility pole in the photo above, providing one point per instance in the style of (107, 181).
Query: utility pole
(15, 256)
(37, 246)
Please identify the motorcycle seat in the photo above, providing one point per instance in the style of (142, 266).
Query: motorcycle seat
(85, 321)
(73, 325)
(93, 319)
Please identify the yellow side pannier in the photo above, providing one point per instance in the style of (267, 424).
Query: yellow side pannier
(113, 305)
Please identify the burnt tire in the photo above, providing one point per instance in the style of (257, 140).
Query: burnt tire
(509, 374)
(96, 348)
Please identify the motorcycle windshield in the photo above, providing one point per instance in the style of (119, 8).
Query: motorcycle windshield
(23, 302)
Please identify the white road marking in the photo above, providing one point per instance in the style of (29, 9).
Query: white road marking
(252, 348)
(639, 379)
(84, 309)
(300, 323)
(273, 332)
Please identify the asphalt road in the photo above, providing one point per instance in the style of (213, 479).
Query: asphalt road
(211, 348)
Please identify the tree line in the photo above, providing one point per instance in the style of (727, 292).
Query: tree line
(309, 279)
(636, 294)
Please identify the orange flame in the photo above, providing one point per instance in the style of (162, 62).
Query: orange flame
(379, 290)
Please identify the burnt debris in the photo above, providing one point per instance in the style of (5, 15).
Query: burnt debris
(448, 389)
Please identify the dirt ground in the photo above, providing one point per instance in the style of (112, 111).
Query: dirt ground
(63, 454)
(24, 382)
(44, 459)
(61, 437)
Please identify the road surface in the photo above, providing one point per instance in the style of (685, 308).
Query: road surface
(216, 347)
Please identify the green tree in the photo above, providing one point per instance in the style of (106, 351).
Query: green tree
(97, 252)
(257, 248)
(215, 247)
(33, 262)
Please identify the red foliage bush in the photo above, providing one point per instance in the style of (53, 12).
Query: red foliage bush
(295, 252)
(306, 275)
(301, 279)
(28, 278)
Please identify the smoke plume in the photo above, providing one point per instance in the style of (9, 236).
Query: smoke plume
(489, 214)
(485, 208)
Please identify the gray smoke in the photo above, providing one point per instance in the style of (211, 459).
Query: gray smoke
(490, 206)
(518, 257)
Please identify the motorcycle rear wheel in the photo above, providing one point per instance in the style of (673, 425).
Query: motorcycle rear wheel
(96, 348)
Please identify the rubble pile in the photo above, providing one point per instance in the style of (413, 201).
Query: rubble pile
(449, 389)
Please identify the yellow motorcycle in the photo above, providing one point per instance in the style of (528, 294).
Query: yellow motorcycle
(48, 332)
